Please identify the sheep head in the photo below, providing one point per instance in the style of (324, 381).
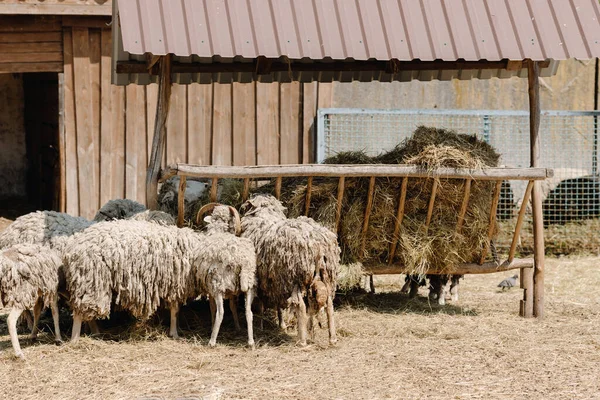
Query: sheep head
(263, 203)
(223, 219)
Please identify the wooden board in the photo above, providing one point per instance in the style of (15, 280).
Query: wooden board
(309, 111)
(267, 123)
(289, 123)
(71, 171)
(31, 37)
(18, 68)
(48, 47)
(29, 23)
(199, 123)
(151, 100)
(176, 146)
(222, 125)
(136, 147)
(244, 124)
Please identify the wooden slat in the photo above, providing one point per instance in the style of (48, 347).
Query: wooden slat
(461, 269)
(181, 201)
(222, 125)
(492, 222)
(112, 112)
(289, 123)
(214, 187)
(520, 218)
(87, 21)
(309, 112)
(36, 56)
(29, 23)
(177, 145)
(308, 195)
(71, 167)
(267, 123)
(39, 8)
(357, 171)
(151, 102)
(46, 47)
(464, 205)
(325, 95)
(86, 146)
(62, 147)
(431, 204)
(244, 122)
(527, 286)
(399, 218)
(278, 187)
(340, 199)
(95, 86)
(136, 147)
(18, 68)
(199, 123)
(31, 37)
(246, 190)
(368, 208)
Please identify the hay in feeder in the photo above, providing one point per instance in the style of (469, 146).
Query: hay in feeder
(349, 276)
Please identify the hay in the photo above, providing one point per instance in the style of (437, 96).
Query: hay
(349, 276)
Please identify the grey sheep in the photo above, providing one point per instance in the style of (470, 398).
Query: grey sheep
(508, 282)
(297, 259)
(137, 263)
(225, 266)
(29, 280)
(118, 209)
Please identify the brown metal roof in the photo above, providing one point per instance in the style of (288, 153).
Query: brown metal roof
(405, 30)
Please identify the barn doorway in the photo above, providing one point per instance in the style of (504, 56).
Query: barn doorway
(29, 151)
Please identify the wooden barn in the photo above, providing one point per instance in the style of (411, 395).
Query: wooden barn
(71, 140)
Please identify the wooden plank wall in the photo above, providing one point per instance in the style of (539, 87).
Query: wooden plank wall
(108, 129)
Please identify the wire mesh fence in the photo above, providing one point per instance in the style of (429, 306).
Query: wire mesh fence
(569, 146)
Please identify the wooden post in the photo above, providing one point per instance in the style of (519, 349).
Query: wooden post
(308, 195)
(493, 210)
(246, 191)
(278, 187)
(158, 141)
(526, 307)
(431, 203)
(533, 70)
(181, 201)
(214, 187)
(399, 218)
(520, 218)
(367, 215)
(465, 204)
(340, 198)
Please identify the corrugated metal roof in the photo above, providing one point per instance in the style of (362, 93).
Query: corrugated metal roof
(405, 30)
(364, 29)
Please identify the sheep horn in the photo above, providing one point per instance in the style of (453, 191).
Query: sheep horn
(238, 221)
(205, 208)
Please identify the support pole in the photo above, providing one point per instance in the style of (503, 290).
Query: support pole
(158, 141)
(181, 201)
(533, 70)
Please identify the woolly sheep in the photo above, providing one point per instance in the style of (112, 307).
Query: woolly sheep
(118, 209)
(225, 266)
(292, 254)
(140, 263)
(195, 191)
(158, 217)
(29, 280)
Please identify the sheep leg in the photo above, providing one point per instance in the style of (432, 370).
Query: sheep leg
(218, 320)
(93, 327)
(213, 309)
(261, 312)
(233, 308)
(371, 283)
(281, 318)
(249, 298)
(406, 285)
(12, 330)
(454, 288)
(331, 321)
(173, 326)
(414, 288)
(302, 321)
(311, 320)
(27, 319)
(76, 331)
(37, 311)
(54, 308)
(442, 290)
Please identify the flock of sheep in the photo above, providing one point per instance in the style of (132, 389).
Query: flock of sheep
(137, 260)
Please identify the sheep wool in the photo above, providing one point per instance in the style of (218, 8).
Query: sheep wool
(43, 227)
(118, 209)
(158, 217)
(28, 272)
(140, 263)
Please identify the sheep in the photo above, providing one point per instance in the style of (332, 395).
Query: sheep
(437, 286)
(29, 280)
(225, 266)
(139, 263)
(292, 255)
(158, 217)
(118, 209)
(167, 197)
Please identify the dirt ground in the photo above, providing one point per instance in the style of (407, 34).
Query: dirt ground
(389, 347)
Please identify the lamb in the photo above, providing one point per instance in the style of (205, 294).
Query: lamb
(140, 263)
(118, 209)
(225, 266)
(292, 256)
(29, 280)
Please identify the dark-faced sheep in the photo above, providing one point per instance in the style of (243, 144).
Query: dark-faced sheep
(292, 255)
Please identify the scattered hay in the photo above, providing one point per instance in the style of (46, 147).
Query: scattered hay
(349, 276)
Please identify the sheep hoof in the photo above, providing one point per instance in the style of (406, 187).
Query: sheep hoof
(212, 344)
(58, 342)
(252, 346)
(20, 355)
(332, 342)
(302, 343)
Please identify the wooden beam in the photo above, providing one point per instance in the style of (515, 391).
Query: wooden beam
(357, 171)
(464, 205)
(39, 8)
(520, 218)
(462, 269)
(533, 70)
(368, 208)
(88, 21)
(278, 187)
(431, 204)
(308, 195)
(181, 201)
(158, 141)
(392, 66)
(526, 308)
(399, 218)
(246, 191)
(23, 67)
(492, 222)
(340, 198)
(214, 189)
(62, 144)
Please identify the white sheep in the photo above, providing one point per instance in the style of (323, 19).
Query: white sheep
(137, 263)
(225, 266)
(29, 279)
(293, 255)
